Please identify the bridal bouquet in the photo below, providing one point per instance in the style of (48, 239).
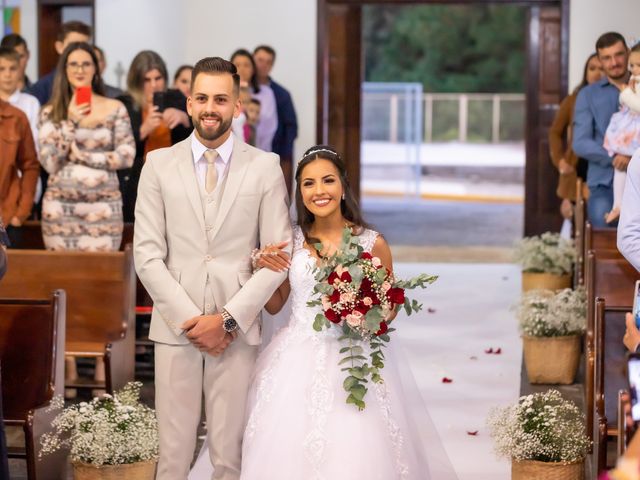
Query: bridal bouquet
(358, 295)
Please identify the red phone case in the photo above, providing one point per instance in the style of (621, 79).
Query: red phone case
(83, 95)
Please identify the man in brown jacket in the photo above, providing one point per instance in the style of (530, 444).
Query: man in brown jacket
(19, 169)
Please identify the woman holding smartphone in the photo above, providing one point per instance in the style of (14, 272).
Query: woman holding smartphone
(158, 117)
(84, 138)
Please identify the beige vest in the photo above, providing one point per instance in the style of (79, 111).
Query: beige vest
(210, 206)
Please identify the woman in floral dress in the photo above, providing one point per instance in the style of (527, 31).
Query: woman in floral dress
(81, 146)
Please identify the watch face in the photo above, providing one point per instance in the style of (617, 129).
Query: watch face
(230, 325)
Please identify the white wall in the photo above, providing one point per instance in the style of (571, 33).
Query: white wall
(289, 26)
(591, 18)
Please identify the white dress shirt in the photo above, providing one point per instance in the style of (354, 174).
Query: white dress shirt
(268, 122)
(222, 160)
(629, 224)
(31, 107)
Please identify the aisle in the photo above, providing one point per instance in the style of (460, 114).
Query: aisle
(470, 313)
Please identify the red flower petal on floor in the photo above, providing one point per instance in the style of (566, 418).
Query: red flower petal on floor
(497, 351)
(447, 380)
(489, 350)
(473, 433)
(431, 310)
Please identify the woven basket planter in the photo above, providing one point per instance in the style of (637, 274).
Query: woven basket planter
(534, 470)
(128, 471)
(552, 360)
(544, 281)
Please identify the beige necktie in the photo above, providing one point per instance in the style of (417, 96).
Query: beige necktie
(211, 178)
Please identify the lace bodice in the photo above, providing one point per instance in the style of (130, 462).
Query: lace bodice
(301, 278)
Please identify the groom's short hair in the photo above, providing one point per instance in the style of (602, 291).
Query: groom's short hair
(216, 66)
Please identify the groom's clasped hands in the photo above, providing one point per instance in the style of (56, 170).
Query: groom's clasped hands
(206, 332)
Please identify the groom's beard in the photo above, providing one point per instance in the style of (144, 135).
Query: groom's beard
(224, 124)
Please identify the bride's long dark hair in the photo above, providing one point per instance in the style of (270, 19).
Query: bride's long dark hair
(348, 206)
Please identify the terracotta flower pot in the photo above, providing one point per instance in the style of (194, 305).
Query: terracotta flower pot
(130, 471)
(534, 470)
(552, 360)
(544, 281)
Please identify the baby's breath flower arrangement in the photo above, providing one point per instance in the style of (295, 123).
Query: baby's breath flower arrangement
(546, 253)
(109, 430)
(543, 427)
(543, 313)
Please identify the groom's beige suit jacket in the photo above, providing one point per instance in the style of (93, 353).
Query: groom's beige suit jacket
(190, 267)
(174, 258)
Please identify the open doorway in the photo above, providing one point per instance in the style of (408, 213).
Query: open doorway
(341, 73)
(443, 115)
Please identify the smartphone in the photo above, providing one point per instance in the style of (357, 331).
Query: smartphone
(633, 374)
(83, 95)
(158, 100)
(636, 303)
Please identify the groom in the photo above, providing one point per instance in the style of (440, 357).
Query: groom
(203, 205)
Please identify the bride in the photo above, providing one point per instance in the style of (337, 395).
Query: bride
(299, 425)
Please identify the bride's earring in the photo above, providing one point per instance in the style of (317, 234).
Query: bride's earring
(343, 196)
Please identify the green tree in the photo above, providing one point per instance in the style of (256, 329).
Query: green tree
(456, 48)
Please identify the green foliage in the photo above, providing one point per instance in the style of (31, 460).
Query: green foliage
(448, 48)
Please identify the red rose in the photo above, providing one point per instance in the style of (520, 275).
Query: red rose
(366, 256)
(362, 308)
(344, 313)
(396, 295)
(335, 296)
(331, 316)
(332, 278)
(366, 288)
(345, 277)
(383, 329)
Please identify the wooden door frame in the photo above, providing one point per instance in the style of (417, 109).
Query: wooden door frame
(48, 23)
(532, 54)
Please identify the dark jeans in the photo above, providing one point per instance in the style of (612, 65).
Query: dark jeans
(599, 204)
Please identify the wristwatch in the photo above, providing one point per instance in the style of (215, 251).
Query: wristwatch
(228, 322)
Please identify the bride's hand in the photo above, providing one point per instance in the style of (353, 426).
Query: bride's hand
(272, 257)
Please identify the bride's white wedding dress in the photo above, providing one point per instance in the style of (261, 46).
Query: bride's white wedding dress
(299, 426)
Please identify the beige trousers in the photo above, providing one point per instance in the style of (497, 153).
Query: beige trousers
(182, 375)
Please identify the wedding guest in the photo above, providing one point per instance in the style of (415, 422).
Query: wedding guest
(569, 166)
(109, 90)
(253, 117)
(154, 125)
(249, 88)
(70, 32)
(19, 44)
(268, 125)
(81, 146)
(182, 79)
(284, 118)
(595, 105)
(19, 169)
(10, 92)
(10, 88)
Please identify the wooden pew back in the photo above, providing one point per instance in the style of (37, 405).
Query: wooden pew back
(600, 238)
(31, 350)
(98, 287)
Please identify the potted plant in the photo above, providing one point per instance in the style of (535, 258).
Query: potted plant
(110, 437)
(547, 261)
(543, 435)
(551, 325)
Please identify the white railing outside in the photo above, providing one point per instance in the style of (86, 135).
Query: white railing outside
(462, 117)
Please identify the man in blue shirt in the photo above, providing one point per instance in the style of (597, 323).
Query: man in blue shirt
(595, 105)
